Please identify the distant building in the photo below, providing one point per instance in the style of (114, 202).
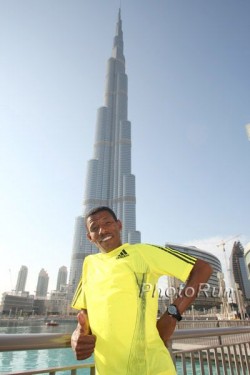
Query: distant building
(240, 278)
(58, 304)
(42, 284)
(61, 278)
(247, 258)
(21, 279)
(239, 269)
(15, 305)
(212, 295)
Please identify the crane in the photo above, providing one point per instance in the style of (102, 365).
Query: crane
(223, 242)
(223, 245)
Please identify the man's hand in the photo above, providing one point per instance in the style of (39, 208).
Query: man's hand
(166, 325)
(82, 341)
(200, 274)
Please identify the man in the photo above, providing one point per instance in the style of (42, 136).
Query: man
(118, 318)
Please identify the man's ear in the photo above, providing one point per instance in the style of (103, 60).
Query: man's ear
(89, 237)
(119, 224)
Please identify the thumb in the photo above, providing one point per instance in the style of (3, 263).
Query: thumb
(83, 322)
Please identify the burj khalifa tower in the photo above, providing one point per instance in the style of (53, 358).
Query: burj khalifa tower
(109, 181)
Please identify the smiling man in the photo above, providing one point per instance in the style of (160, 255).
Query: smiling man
(104, 230)
(118, 318)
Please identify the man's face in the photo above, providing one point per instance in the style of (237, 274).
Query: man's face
(104, 231)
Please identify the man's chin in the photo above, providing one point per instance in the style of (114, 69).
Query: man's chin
(106, 248)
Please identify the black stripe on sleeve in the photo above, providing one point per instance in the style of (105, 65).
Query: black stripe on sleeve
(178, 254)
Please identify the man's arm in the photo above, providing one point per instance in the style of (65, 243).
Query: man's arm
(199, 275)
(82, 341)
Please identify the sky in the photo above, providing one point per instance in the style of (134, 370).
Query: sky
(188, 102)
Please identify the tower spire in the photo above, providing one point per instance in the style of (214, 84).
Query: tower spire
(117, 52)
(109, 181)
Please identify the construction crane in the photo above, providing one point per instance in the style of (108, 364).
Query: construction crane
(223, 245)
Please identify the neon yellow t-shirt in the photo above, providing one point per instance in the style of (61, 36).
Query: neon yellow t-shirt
(119, 291)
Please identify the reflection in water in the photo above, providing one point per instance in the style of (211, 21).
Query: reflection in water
(31, 359)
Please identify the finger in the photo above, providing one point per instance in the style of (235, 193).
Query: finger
(83, 321)
(85, 355)
(84, 352)
(85, 347)
(85, 340)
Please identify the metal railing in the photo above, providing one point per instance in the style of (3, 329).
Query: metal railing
(212, 351)
(228, 353)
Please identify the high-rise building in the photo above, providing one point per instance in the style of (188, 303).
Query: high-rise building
(109, 181)
(239, 270)
(42, 284)
(247, 258)
(61, 278)
(21, 279)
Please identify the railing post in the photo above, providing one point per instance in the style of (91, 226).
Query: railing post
(219, 337)
(169, 345)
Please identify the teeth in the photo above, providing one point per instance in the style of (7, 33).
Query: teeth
(106, 238)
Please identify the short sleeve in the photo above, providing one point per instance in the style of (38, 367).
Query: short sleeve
(167, 261)
(79, 300)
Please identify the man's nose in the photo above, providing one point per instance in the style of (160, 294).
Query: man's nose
(102, 229)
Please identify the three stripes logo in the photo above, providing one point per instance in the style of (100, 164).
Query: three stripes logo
(122, 254)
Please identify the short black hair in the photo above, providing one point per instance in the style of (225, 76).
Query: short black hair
(95, 210)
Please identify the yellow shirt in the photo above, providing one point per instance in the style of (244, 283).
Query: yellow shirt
(119, 290)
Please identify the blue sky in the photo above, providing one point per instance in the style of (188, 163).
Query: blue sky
(189, 102)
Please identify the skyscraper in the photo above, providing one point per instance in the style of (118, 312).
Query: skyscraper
(109, 181)
(42, 284)
(61, 278)
(21, 279)
(239, 270)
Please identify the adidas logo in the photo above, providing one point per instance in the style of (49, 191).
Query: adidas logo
(122, 254)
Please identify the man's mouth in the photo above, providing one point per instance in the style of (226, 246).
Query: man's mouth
(106, 238)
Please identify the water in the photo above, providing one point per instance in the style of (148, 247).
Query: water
(40, 359)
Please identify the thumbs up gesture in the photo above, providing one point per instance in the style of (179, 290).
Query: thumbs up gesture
(82, 341)
(83, 322)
